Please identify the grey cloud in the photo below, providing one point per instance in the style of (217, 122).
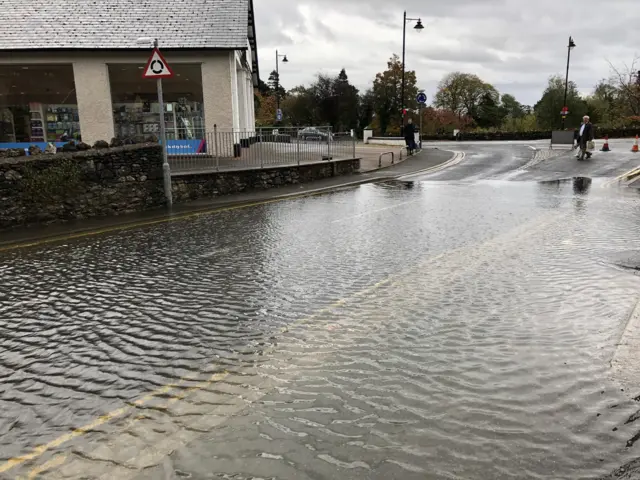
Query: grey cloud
(466, 35)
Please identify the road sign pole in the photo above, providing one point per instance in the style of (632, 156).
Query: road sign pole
(158, 68)
(420, 137)
(166, 169)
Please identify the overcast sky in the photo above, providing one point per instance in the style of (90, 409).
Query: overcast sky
(513, 44)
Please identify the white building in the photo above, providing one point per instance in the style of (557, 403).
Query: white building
(71, 68)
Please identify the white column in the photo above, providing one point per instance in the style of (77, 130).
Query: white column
(242, 101)
(93, 92)
(251, 124)
(217, 91)
(234, 90)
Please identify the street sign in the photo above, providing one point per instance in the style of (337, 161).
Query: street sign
(422, 97)
(279, 115)
(565, 111)
(157, 66)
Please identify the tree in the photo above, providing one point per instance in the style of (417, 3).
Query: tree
(489, 113)
(604, 105)
(366, 109)
(274, 85)
(387, 95)
(463, 92)
(327, 101)
(298, 107)
(266, 113)
(548, 108)
(347, 102)
(626, 81)
(512, 108)
(441, 121)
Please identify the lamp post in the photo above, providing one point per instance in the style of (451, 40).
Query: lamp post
(570, 47)
(284, 60)
(166, 169)
(417, 27)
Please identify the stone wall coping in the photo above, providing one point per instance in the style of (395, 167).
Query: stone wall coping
(267, 168)
(94, 152)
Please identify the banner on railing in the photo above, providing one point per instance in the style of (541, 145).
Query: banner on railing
(25, 146)
(174, 147)
(186, 147)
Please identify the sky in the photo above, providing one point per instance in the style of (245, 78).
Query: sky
(516, 45)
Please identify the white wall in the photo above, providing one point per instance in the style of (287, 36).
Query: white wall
(220, 84)
(217, 91)
(93, 93)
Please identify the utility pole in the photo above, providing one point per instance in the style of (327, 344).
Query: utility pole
(566, 80)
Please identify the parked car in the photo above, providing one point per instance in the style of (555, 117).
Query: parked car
(311, 133)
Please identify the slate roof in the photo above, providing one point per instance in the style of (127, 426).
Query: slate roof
(117, 24)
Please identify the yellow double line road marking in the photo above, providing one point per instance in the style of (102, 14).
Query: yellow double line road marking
(184, 391)
(112, 415)
(634, 172)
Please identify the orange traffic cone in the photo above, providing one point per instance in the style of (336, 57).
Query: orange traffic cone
(605, 147)
(634, 149)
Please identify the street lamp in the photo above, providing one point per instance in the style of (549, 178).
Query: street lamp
(284, 60)
(417, 27)
(570, 47)
(166, 169)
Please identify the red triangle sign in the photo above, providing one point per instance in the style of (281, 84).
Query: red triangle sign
(157, 66)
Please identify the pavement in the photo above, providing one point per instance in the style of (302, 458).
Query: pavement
(433, 322)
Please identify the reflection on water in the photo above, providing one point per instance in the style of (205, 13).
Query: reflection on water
(581, 185)
(407, 330)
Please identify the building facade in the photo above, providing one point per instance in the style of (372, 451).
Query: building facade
(73, 69)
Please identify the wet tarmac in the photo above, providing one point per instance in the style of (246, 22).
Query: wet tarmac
(452, 325)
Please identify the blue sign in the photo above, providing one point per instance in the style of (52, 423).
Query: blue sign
(174, 147)
(422, 97)
(279, 115)
(183, 147)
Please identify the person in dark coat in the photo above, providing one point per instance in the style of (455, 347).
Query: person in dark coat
(586, 136)
(410, 136)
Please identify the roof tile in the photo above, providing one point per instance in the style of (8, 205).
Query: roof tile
(117, 24)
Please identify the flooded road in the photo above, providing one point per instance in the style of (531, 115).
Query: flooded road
(458, 325)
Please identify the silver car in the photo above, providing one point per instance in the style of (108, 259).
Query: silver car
(311, 133)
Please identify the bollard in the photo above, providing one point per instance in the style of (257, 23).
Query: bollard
(215, 146)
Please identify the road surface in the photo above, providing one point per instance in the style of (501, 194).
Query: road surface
(457, 324)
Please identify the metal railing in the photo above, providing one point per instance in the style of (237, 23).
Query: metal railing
(393, 158)
(227, 150)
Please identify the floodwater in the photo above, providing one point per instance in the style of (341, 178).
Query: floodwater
(400, 330)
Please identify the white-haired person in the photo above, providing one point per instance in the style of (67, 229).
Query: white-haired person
(586, 137)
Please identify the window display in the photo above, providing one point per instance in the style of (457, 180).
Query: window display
(183, 120)
(37, 105)
(135, 102)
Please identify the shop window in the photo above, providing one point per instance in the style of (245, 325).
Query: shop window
(135, 102)
(38, 104)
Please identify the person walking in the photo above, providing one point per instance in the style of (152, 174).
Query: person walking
(586, 137)
(576, 141)
(410, 136)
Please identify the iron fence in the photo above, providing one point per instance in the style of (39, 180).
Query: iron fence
(225, 150)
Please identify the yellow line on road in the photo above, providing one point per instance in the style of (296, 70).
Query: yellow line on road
(112, 415)
(146, 223)
(619, 178)
(56, 461)
(122, 411)
(174, 218)
(217, 377)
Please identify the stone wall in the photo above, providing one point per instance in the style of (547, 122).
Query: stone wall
(193, 186)
(41, 189)
(97, 182)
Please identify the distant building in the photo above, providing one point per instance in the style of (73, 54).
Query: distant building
(71, 68)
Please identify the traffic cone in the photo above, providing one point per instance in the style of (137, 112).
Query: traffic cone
(605, 147)
(634, 149)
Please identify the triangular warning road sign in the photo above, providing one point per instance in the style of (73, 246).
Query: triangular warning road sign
(157, 66)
